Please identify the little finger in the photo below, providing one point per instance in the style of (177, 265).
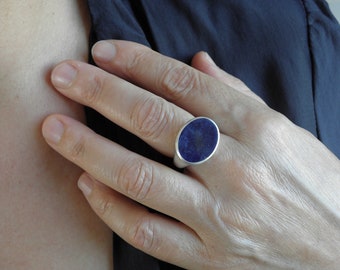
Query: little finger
(152, 233)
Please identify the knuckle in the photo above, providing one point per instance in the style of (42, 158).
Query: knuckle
(210, 211)
(137, 63)
(136, 179)
(103, 207)
(91, 94)
(144, 236)
(77, 150)
(177, 82)
(272, 125)
(151, 117)
(268, 128)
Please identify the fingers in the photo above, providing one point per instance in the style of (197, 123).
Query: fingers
(152, 233)
(185, 86)
(203, 62)
(142, 180)
(146, 115)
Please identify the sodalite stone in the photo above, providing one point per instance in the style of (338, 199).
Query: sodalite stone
(198, 140)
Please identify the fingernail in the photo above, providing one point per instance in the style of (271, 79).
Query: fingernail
(209, 59)
(63, 76)
(85, 184)
(104, 51)
(53, 130)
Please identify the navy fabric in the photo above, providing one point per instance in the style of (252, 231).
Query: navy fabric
(287, 52)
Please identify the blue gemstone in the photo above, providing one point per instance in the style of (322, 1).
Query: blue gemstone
(198, 140)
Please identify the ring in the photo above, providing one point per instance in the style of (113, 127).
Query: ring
(196, 142)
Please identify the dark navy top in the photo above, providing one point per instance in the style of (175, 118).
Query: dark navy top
(287, 52)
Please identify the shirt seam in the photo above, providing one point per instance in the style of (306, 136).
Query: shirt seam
(311, 55)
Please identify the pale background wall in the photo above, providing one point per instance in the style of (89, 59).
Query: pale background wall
(335, 7)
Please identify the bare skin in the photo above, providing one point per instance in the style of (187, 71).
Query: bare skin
(268, 199)
(45, 223)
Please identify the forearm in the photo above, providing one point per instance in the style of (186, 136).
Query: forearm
(44, 221)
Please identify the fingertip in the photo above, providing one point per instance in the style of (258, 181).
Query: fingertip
(207, 58)
(203, 62)
(63, 75)
(197, 59)
(85, 184)
(104, 51)
(52, 129)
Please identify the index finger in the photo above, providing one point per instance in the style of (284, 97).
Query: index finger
(177, 82)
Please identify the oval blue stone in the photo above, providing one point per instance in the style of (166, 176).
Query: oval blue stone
(198, 140)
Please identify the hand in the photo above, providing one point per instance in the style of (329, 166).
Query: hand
(267, 199)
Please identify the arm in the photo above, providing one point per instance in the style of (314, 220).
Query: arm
(44, 223)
